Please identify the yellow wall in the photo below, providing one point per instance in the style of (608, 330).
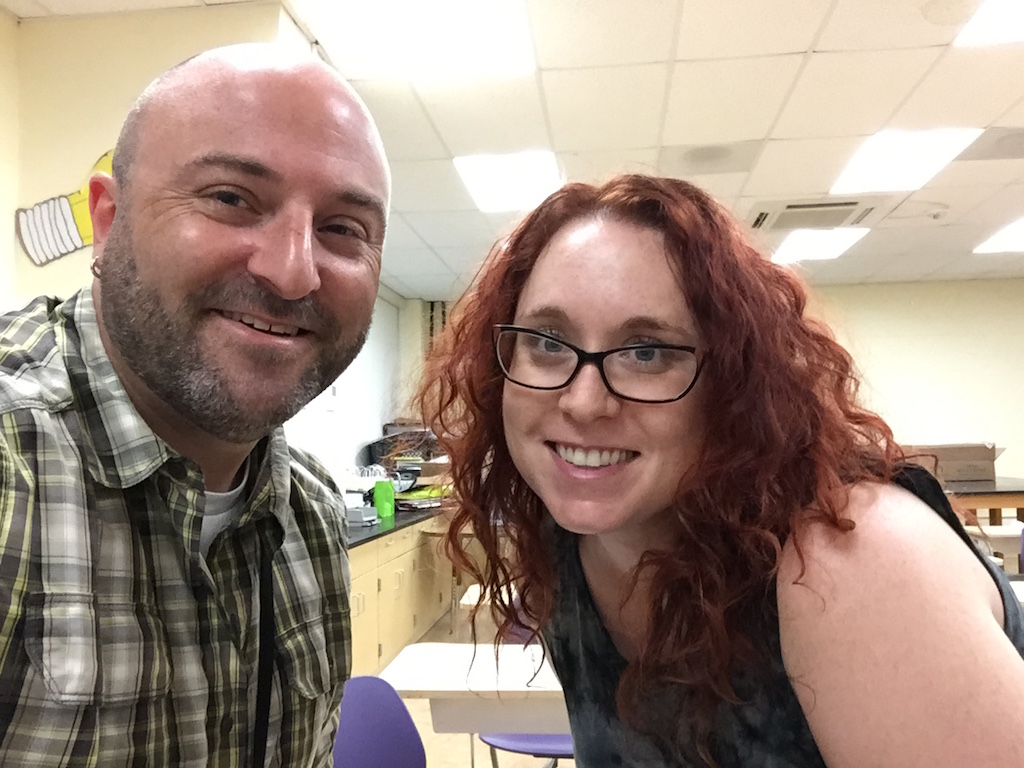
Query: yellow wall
(942, 362)
(8, 153)
(77, 78)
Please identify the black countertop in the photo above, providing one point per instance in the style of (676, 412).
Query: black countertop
(980, 487)
(360, 534)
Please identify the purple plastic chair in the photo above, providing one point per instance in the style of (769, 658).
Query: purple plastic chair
(555, 746)
(375, 729)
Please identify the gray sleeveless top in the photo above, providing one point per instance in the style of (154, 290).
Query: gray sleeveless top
(768, 730)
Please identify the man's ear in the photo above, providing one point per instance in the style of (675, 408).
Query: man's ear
(102, 206)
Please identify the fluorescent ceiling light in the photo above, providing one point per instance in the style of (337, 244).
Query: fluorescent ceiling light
(995, 22)
(901, 161)
(440, 40)
(514, 182)
(817, 244)
(1009, 239)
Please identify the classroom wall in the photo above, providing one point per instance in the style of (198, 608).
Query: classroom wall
(77, 78)
(8, 153)
(943, 362)
(337, 426)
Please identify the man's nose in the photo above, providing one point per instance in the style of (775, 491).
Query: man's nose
(285, 259)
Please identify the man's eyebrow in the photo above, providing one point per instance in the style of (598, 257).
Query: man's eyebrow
(370, 203)
(239, 163)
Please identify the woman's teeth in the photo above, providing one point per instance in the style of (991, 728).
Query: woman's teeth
(593, 457)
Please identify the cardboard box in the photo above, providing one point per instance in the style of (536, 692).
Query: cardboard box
(957, 462)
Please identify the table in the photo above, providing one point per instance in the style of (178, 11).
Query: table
(1004, 538)
(993, 495)
(519, 693)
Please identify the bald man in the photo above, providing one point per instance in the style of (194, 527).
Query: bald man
(173, 576)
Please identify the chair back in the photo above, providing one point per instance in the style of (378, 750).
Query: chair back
(375, 729)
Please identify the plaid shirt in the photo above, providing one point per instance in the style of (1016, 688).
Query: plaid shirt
(120, 645)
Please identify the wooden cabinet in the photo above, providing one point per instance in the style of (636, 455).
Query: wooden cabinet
(398, 593)
(365, 606)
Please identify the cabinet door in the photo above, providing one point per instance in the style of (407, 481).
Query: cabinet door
(365, 638)
(429, 592)
(396, 605)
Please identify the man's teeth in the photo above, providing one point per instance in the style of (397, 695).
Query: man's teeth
(593, 457)
(259, 325)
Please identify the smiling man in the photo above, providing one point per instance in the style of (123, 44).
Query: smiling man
(172, 574)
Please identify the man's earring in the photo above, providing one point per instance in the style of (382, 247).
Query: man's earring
(95, 268)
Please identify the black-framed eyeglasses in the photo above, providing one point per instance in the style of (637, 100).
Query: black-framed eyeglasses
(643, 373)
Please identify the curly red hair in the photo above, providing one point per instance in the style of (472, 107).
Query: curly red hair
(788, 439)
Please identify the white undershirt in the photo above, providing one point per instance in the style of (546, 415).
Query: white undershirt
(221, 510)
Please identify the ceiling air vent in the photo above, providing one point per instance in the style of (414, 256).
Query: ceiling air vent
(815, 214)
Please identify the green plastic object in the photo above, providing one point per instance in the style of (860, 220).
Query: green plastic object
(384, 499)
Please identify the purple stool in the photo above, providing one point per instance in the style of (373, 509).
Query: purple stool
(551, 745)
(375, 729)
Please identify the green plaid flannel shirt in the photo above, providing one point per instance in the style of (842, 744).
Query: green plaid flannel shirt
(120, 645)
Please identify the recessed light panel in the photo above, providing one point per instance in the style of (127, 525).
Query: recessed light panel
(817, 244)
(996, 22)
(512, 182)
(901, 161)
(1009, 239)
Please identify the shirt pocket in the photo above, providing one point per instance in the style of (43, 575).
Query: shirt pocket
(91, 653)
(302, 653)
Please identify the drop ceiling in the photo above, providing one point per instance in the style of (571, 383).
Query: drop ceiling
(761, 102)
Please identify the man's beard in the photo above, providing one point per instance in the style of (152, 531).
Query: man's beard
(163, 349)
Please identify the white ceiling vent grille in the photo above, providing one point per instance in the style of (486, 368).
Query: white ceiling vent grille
(818, 214)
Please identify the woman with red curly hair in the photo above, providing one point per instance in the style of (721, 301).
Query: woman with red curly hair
(724, 554)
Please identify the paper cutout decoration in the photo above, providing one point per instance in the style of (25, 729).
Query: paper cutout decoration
(61, 225)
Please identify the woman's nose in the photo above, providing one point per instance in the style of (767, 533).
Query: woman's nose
(586, 397)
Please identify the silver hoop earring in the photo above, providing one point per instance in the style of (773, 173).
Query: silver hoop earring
(95, 268)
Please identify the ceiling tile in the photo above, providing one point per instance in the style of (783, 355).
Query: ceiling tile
(909, 267)
(428, 185)
(715, 102)
(595, 167)
(1013, 117)
(400, 287)
(703, 159)
(403, 262)
(880, 244)
(1003, 207)
(973, 173)
(400, 234)
(965, 89)
(861, 25)
(444, 229)
(605, 108)
(25, 9)
(759, 28)
(493, 117)
(439, 287)
(799, 167)
(722, 186)
(937, 206)
(597, 33)
(405, 127)
(464, 262)
(79, 7)
(835, 271)
(970, 266)
(503, 223)
(851, 93)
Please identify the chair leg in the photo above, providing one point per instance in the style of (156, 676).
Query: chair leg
(494, 757)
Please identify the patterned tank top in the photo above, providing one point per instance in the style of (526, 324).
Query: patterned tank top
(768, 730)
